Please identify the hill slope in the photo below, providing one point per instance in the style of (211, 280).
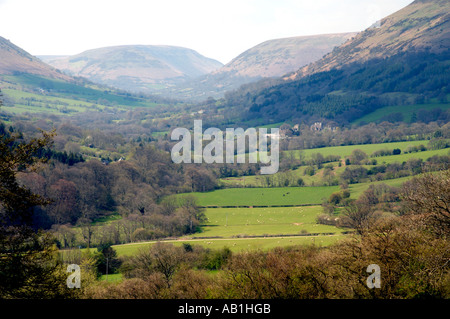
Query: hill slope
(138, 68)
(277, 57)
(28, 85)
(404, 61)
(272, 58)
(423, 25)
(14, 60)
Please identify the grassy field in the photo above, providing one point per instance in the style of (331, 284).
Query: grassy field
(265, 196)
(357, 189)
(228, 222)
(343, 151)
(37, 103)
(405, 157)
(272, 227)
(346, 150)
(406, 110)
(244, 226)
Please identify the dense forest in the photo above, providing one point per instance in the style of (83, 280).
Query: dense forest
(347, 93)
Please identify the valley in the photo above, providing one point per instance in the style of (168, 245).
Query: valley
(88, 178)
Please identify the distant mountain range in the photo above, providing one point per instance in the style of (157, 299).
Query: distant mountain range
(137, 68)
(272, 58)
(185, 74)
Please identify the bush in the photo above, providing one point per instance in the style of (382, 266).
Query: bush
(357, 156)
(335, 198)
(214, 260)
(309, 170)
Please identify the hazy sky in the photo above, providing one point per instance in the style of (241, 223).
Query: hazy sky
(219, 29)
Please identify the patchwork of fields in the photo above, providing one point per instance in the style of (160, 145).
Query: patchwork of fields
(342, 151)
(247, 218)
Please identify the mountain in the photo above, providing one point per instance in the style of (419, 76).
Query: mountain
(277, 57)
(14, 60)
(272, 58)
(403, 60)
(137, 68)
(421, 26)
(29, 86)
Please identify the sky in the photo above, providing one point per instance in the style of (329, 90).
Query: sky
(218, 29)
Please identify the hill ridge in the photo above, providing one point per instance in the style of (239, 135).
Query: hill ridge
(137, 67)
(404, 30)
(15, 60)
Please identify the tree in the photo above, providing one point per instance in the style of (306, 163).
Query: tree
(16, 201)
(64, 209)
(65, 235)
(29, 267)
(358, 215)
(87, 230)
(429, 197)
(160, 258)
(108, 263)
(317, 159)
(357, 156)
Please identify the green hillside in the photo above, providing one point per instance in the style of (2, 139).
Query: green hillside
(405, 61)
(402, 113)
(38, 94)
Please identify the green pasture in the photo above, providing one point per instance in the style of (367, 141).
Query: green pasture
(229, 222)
(347, 150)
(294, 175)
(265, 196)
(89, 93)
(343, 151)
(59, 97)
(417, 155)
(407, 111)
(357, 189)
(41, 103)
(112, 277)
(272, 227)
